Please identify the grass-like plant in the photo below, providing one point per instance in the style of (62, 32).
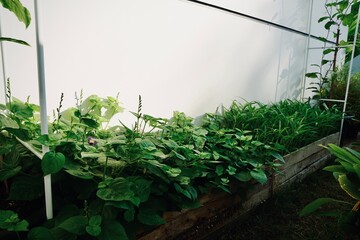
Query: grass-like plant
(288, 125)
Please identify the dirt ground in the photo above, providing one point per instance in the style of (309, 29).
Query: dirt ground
(278, 218)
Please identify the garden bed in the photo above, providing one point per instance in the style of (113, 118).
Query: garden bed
(220, 209)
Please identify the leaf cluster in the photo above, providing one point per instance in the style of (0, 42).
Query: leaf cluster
(347, 174)
(110, 181)
(286, 125)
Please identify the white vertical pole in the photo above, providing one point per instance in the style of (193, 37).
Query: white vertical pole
(349, 73)
(42, 99)
(3, 66)
(306, 58)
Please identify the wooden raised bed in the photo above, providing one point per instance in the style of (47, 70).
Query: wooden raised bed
(220, 209)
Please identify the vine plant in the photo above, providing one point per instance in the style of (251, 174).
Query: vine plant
(339, 13)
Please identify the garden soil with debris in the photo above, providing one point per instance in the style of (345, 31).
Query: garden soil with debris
(279, 219)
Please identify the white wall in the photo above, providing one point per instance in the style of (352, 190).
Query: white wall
(176, 54)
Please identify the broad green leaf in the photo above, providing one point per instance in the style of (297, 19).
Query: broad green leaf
(329, 24)
(315, 205)
(347, 20)
(95, 220)
(129, 214)
(327, 51)
(94, 227)
(80, 174)
(311, 75)
(20, 108)
(150, 217)
(21, 12)
(322, 19)
(61, 234)
(6, 122)
(324, 61)
(8, 173)
(243, 176)
(40, 233)
(170, 143)
(278, 157)
(93, 230)
(171, 172)
(65, 213)
(231, 170)
(90, 122)
(185, 180)
(119, 190)
(146, 144)
(14, 40)
(351, 188)
(43, 139)
(10, 221)
(52, 162)
(192, 192)
(111, 230)
(259, 175)
(219, 170)
(75, 225)
(141, 187)
(179, 189)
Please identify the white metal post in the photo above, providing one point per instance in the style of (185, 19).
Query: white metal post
(349, 74)
(42, 99)
(3, 66)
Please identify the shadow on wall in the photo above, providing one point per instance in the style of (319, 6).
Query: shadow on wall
(291, 66)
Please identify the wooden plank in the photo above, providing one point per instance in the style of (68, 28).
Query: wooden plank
(189, 218)
(304, 173)
(294, 169)
(304, 152)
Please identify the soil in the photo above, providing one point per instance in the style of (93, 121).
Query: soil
(278, 218)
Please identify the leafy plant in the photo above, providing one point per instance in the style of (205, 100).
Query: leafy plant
(339, 13)
(111, 181)
(339, 82)
(22, 14)
(286, 125)
(347, 173)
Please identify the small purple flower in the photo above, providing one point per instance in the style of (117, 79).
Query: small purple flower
(92, 141)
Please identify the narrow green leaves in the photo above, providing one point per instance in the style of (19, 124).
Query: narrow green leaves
(52, 162)
(315, 205)
(13, 40)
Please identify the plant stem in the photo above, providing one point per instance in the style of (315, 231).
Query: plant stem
(105, 168)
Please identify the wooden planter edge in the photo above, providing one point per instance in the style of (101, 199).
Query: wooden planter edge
(213, 215)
